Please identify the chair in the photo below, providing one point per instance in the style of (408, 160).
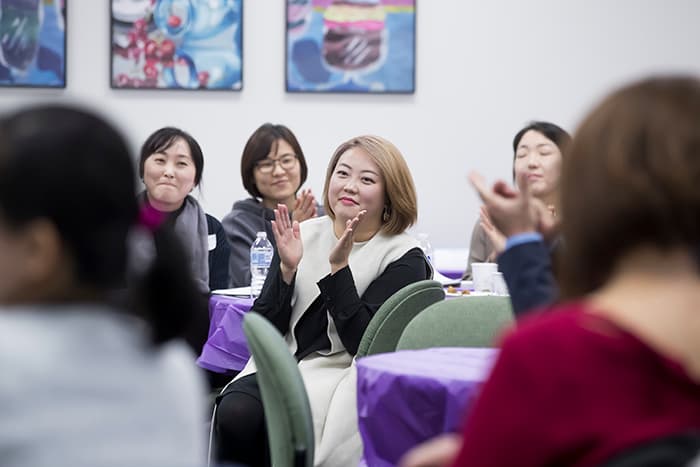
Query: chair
(387, 324)
(218, 254)
(287, 411)
(458, 322)
(677, 450)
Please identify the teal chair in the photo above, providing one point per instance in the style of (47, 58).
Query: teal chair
(387, 324)
(290, 427)
(458, 322)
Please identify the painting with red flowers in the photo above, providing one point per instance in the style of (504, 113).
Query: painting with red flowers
(176, 44)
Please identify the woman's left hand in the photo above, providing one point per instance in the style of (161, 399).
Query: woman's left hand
(340, 254)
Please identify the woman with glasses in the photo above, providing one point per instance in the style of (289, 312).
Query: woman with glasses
(273, 169)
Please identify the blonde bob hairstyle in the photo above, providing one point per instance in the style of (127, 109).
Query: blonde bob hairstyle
(401, 206)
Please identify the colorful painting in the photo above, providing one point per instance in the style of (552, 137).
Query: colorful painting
(177, 44)
(365, 46)
(33, 43)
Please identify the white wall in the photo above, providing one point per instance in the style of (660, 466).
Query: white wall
(483, 70)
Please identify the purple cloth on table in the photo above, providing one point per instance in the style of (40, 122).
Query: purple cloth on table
(226, 348)
(410, 396)
(451, 274)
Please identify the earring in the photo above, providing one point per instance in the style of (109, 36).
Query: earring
(385, 214)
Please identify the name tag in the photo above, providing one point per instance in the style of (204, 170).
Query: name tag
(212, 242)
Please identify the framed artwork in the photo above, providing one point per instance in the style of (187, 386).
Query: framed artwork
(33, 43)
(176, 44)
(361, 46)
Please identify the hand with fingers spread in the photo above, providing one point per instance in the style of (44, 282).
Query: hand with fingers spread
(437, 452)
(288, 242)
(340, 254)
(304, 206)
(510, 211)
(495, 236)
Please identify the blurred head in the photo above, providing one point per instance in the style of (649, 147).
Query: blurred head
(632, 178)
(66, 204)
(369, 172)
(170, 165)
(273, 166)
(537, 157)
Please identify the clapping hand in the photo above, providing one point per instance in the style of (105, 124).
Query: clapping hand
(288, 241)
(509, 210)
(513, 212)
(304, 206)
(495, 236)
(340, 254)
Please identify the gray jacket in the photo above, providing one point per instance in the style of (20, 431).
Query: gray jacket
(247, 218)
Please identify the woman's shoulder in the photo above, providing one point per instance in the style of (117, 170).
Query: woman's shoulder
(244, 211)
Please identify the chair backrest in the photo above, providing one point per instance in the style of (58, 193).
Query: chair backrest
(458, 322)
(219, 255)
(387, 324)
(677, 450)
(287, 411)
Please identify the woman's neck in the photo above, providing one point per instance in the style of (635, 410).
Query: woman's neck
(551, 200)
(363, 232)
(654, 294)
(163, 207)
(272, 203)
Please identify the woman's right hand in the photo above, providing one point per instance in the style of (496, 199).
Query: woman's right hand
(304, 206)
(495, 236)
(288, 242)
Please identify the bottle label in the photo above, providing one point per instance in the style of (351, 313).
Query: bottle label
(261, 258)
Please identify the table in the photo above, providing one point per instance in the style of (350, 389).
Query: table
(226, 348)
(410, 396)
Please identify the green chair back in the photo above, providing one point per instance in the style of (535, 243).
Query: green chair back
(458, 322)
(287, 411)
(387, 324)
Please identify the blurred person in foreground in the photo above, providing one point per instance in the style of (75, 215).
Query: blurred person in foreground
(618, 362)
(87, 379)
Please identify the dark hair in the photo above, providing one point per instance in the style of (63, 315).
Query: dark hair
(162, 139)
(552, 132)
(258, 147)
(631, 179)
(71, 168)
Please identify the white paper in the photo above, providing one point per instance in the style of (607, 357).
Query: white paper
(236, 292)
(444, 280)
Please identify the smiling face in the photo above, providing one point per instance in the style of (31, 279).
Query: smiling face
(169, 176)
(538, 159)
(281, 184)
(356, 184)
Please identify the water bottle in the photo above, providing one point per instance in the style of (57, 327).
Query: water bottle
(260, 258)
(426, 246)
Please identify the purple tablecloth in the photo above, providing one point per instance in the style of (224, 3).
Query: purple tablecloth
(226, 348)
(407, 397)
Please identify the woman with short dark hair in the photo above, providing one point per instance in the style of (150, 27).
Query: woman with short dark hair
(171, 166)
(273, 169)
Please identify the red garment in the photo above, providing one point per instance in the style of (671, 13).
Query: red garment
(570, 388)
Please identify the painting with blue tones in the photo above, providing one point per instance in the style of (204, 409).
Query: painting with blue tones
(361, 46)
(33, 43)
(177, 44)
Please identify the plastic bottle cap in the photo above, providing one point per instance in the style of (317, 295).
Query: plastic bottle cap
(261, 234)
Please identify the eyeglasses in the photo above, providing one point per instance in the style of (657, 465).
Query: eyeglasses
(267, 166)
